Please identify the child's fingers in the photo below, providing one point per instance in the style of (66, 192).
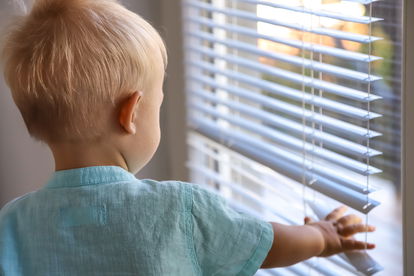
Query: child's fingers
(337, 213)
(353, 229)
(351, 244)
(308, 220)
(349, 220)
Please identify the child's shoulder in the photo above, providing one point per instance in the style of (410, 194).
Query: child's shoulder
(13, 205)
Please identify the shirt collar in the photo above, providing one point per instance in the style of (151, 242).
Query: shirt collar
(89, 176)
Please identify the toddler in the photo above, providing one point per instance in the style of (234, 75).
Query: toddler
(87, 78)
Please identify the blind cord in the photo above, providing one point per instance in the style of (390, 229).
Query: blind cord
(369, 110)
(312, 179)
(304, 169)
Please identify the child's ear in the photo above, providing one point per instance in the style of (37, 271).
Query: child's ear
(127, 114)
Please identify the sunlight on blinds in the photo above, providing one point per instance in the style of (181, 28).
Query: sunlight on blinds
(289, 109)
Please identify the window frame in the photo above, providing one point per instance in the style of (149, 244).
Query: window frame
(407, 151)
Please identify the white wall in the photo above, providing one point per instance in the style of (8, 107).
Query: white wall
(25, 165)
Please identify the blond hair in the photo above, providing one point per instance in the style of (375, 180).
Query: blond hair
(68, 61)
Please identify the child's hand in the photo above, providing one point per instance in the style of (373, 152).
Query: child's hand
(338, 230)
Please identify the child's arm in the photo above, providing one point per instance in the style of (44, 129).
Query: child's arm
(292, 244)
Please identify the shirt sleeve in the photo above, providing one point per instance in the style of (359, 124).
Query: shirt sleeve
(227, 242)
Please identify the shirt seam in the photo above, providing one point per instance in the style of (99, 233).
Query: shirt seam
(14, 201)
(255, 252)
(190, 226)
(90, 184)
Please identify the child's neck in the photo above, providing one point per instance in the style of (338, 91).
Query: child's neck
(78, 155)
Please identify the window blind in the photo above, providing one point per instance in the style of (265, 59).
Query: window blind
(274, 102)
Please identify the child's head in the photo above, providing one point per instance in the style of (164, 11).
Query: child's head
(71, 64)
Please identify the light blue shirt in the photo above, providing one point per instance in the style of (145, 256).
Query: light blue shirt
(104, 221)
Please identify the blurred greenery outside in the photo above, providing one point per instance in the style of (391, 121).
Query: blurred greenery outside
(388, 124)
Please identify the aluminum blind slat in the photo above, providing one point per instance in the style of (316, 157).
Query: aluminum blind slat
(293, 143)
(341, 53)
(351, 198)
(342, 263)
(278, 272)
(237, 188)
(274, 87)
(299, 96)
(297, 61)
(292, 110)
(299, 270)
(343, 180)
(249, 16)
(274, 120)
(361, 1)
(322, 13)
(286, 163)
(322, 270)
